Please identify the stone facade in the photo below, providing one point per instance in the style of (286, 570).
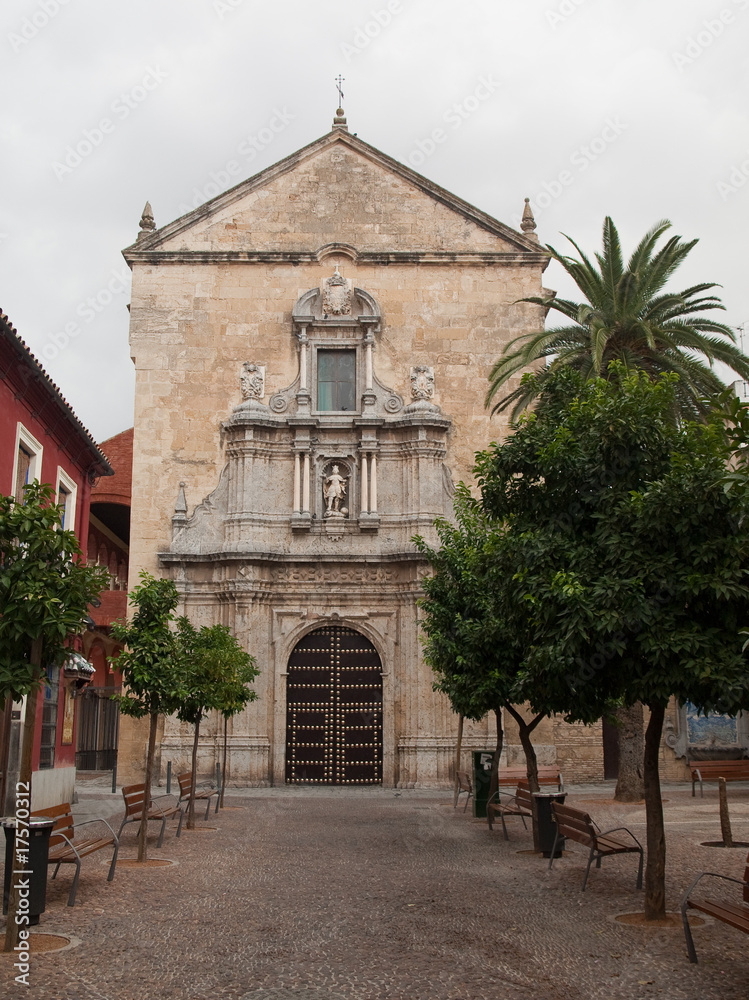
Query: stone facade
(282, 498)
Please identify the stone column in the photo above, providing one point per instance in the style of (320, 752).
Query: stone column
(364, 497)
(373, 486)
(303, 359)
(297, 484)
(368, 367)
(305, 486)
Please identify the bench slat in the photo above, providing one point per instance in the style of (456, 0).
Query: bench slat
(734, 915)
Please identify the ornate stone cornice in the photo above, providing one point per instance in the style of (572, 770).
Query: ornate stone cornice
(374, 257)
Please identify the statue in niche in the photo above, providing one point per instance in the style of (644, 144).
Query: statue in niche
(336, 295)
(422, 382)
(252, 381)
(334, 493)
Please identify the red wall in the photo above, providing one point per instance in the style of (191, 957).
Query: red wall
(55, 453)
(27, 398)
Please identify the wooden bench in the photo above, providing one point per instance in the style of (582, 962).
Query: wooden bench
(65, 849)
(711, 770)
(546, 776)
(578, 826)
(464, 785)
(185, 781)
(520, 804)
(134, 796)
(734, 914)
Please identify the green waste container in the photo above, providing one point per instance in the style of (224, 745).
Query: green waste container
(482, 773)
(33, 876)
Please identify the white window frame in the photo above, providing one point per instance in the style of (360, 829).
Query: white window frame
(26, 439)
(64, 480)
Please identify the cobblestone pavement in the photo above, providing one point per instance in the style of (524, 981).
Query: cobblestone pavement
(327, 894)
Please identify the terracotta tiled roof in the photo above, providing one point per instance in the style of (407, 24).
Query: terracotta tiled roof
(9, 333)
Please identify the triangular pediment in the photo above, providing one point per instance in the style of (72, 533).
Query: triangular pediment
(337, 190)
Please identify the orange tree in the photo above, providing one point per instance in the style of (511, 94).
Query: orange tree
(151, 666)
(216, 675)
(633, 560)
(45, 591)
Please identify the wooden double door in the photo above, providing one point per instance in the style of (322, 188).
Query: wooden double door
(334, 710)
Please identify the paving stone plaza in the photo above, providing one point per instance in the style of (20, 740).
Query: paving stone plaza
(363, 894)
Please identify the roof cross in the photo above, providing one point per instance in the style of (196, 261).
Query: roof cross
(339, 85)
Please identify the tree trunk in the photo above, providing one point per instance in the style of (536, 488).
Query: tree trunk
(23, 789)
(223, 764)
(725, 819)
(494, 780)
(193, 778)
(524, 730)
(630, 785)
(655, 869)
(150, 754)
(457, 759)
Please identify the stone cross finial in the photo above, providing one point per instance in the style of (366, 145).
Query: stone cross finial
(340, 118)
(147, 224)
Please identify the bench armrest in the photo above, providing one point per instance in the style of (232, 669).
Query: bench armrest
(155, 798)
(618, 829)
(496, 798)
(725, 878)
(99, 819)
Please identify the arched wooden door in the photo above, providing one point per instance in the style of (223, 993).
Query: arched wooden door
(334, 710)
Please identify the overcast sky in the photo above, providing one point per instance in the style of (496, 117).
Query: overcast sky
(637, 110)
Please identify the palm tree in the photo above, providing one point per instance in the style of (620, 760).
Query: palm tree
(627, 317)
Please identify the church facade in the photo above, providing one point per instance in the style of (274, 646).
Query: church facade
(312, 350)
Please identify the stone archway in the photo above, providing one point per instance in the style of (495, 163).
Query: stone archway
(334, 710)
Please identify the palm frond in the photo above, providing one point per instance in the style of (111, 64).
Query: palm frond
(625, 315)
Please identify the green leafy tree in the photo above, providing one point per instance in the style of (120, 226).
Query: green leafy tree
(216, 675)
(236, 694)
(626, 316)
(635, 560)
(45, 591)
(472, 624)
(151, 667)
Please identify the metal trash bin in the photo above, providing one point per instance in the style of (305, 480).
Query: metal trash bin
(482, 775)
(38, 853)
(545, 827)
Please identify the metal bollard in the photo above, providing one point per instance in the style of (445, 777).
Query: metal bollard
(168, 777)
(218, 785)
(114, 778)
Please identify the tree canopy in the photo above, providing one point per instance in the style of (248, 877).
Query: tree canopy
(627, 315)
(473, 622)
(150, 664)
(634, 559)
(216, 674)
(45, 587)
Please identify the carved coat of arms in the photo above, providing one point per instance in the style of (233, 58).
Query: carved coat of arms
(336, 295)
(422, 382)
(252, 381)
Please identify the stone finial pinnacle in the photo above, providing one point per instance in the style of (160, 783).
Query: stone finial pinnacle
(180, 507)
(147, 224)
(528, 223)
(340, 120)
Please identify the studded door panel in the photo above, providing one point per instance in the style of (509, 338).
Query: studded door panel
(334, 710)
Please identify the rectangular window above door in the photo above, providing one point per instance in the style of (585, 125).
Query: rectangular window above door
(336, 380)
